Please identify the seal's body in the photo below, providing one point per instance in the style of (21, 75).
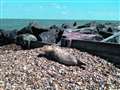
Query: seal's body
(60, 55)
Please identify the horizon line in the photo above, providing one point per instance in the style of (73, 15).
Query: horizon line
(61, 19)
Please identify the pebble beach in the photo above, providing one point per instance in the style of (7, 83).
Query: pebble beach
(24, 70)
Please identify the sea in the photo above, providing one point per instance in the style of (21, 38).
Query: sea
(12, 24)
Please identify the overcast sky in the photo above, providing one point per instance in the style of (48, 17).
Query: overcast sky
(60, 9)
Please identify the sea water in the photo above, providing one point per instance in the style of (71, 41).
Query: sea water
(11, 24)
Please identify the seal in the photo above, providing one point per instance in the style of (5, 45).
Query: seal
(58, 54)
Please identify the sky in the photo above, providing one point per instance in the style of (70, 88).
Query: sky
(61, 9)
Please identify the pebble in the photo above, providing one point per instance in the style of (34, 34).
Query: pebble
(23, 70)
